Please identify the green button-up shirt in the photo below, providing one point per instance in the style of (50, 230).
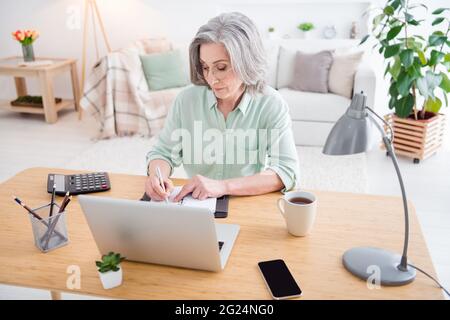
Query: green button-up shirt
(256, 135)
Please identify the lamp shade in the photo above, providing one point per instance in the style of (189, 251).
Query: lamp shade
(350, 134)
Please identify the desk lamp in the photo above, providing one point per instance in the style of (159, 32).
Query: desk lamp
(350, 135)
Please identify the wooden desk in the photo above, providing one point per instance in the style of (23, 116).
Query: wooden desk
(44, 74)
(344, 220)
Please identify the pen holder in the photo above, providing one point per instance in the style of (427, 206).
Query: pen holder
(50, 232)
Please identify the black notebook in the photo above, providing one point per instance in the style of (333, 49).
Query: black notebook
(221, 205)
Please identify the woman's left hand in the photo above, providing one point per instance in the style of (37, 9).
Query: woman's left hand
(202, 188)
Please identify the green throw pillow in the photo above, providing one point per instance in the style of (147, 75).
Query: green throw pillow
(164, 70)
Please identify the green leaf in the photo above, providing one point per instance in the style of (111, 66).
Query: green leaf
(446, 62)
(403, 83)
(414, 69)
(433, 80)
(392, 102)
(388, 10)
(445, 83)
(377, 20)
(407, 57)
(387, 69)
(422, 58)
(403, 107)
(438, 33)
(408, 17)
(364, 39)
(395, 69)
(433, 105)
(393, 92)
(436, 40)
(413, 44)
(396, 3)
(435, 57)
(394, 32)
(437, 21)
(446, 100)
(422, 85)
(439, 11)
(391, 50)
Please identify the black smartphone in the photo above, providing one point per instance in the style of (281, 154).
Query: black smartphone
(279, 279)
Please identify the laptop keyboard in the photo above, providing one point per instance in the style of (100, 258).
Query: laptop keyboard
(220, 245)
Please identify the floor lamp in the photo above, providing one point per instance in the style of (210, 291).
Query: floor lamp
(91, 7)
(350, 135)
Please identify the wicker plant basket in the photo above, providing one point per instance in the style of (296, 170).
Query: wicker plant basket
(417, 139)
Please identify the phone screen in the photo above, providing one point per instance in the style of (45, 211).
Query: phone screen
(279, 279)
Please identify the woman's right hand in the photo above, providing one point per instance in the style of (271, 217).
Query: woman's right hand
(154, 190)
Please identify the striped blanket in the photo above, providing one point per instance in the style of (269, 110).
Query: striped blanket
(117, 95)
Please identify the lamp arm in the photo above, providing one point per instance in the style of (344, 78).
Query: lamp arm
(390, 149)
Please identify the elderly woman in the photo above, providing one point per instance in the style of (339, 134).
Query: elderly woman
(230, 105)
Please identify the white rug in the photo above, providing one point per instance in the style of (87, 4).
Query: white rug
(318, 171)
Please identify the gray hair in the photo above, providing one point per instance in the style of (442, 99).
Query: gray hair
(243, 42)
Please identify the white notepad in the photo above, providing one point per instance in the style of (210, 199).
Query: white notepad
(209, 203)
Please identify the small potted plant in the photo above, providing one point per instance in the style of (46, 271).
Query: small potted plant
(26, 38)
(305, 27)
(109, 270)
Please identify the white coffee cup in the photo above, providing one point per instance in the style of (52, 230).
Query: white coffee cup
(299, 216)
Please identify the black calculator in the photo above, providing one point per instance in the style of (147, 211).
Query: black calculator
(78, 183)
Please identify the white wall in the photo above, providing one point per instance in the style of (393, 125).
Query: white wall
(60, 23)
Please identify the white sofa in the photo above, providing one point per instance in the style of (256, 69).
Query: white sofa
(314, 114)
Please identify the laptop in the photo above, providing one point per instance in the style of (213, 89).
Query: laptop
(159, 232)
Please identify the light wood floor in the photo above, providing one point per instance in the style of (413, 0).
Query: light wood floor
(26, 141)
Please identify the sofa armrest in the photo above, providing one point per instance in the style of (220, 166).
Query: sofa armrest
(365, 80)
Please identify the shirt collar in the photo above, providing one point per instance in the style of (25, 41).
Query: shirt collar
(242, 106)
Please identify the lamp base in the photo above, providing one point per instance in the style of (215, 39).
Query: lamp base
(359, 261)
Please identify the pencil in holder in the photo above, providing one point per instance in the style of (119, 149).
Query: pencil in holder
(50, 232)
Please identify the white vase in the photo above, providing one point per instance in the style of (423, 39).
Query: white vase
(305, 34)
(111, 279)
(273, 35)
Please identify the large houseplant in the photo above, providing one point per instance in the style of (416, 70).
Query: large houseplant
(417, 66)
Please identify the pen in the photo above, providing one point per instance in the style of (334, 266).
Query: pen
(34, 214)
(63, 203)
(53, 199)
(161, 181)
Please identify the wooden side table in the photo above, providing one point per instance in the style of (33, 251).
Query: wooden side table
(44, 74)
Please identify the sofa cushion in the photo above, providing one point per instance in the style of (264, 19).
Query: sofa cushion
(342, 73)
(164, 70)
(312, 106)
(288, 49)
(311, 71)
